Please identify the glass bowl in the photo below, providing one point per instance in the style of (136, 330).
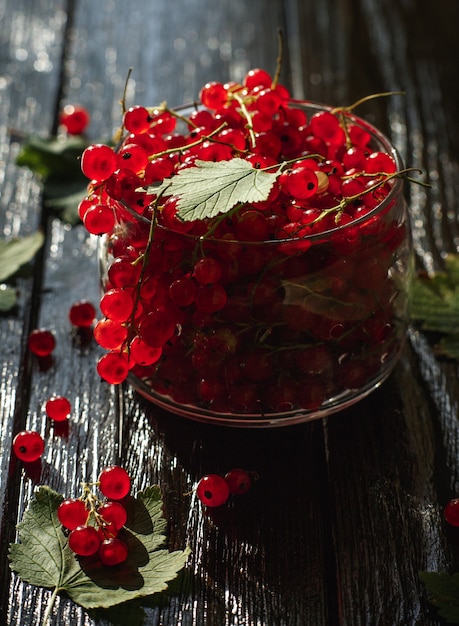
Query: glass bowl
(291, 330)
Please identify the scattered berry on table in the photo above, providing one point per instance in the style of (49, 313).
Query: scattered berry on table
(82, 314)
(41, 342)
(74, 118)
(58, 408)
(28, 445)
(239, 481)
(213, 490)
(451, 512)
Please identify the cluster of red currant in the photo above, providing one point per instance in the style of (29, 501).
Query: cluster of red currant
(214, 490)
(94, 525)
(200, 310)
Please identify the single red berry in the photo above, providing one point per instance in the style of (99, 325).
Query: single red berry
(113, 367)
(213, 490)
(117, 304)
(58, 408)
(41, 342)
(28, 445)
(72, 513)
(99, 219)
(114, 482)
(84, 540)
(142, 353)
(82, 314)
(98, 162)
(74, 118)
(137, 120)
(213, 95)
(239, 481)
(113, 551)
(109, 334)
(113, 513)
(257, 78)
(451, 512)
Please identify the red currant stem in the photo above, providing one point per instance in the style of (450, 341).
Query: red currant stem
(189, 145)
(137, 216)
(248, 118)
(124, 96)
(179, 116)
(119, 133)
(50, 607)
(383, 94)
(339, 208)
(280, 58)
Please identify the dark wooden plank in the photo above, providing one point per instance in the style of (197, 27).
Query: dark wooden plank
(31, 40)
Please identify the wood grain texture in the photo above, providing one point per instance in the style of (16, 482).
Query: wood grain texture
(347, 510)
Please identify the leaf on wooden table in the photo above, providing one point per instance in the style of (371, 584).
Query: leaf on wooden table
(57, 161)
(43, 557)
(443, 590)
(435, 305)
(17, 252)
(210, 188)
(8, 298)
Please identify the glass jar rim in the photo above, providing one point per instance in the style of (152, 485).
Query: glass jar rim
(322, 236)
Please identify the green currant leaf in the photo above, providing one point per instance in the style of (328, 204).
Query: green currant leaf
(211, 188)
(8, 298)
(52, 156)
(57, 161)
(17, 252)
(435, 305)
(43, 557)
(443, 590)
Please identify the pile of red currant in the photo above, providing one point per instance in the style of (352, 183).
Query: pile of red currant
(272, 307)
(95, 526)
(214, 490)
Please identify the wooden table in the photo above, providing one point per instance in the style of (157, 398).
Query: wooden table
(348, 510)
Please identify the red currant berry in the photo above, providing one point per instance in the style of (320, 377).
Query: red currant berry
(137, 120)
(98, 162)
(82, 314)
(74, 118)
(41, 342)
(58, 408)
(380, 162)
(239, 481)
(114, 482)
(110, 335)
(72, 513)
(207, 271)
(213, 95)
(117, 304)
(213, 490)
(99, 219)
(142, 353)
(113, 513)
(451, 512)
(28, 445)
(113, 367)
(113, 551)
(257, 78)
(84, 541)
